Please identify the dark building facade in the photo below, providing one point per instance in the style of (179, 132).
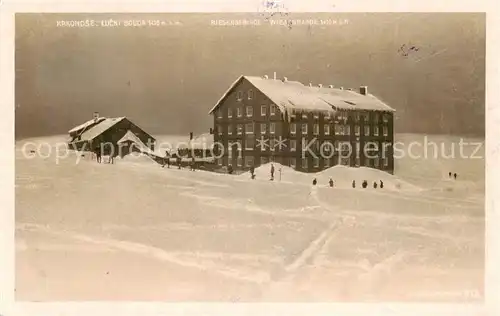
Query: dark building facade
(309, 128)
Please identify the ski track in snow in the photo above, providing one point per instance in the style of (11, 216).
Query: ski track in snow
(257, 277)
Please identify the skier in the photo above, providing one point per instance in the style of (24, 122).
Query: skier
(353, 184)
(230, 169)
(449, 174)
(455, 176)
(331, 182)
(374, 184)
(315, 181)
(364, 184)
(272, 172)
(381, 184)
(252, 172)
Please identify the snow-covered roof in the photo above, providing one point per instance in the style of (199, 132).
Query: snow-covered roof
(85, 125)
(100, 128)
(129, 136)
(294, 96)
(202, 141)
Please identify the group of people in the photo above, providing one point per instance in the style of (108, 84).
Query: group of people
(450, 175)
(178, 161)
(364, 184)
(98, 154)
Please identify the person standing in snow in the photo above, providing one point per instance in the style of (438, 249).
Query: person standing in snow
(193, 164)
(381, 184)
(252, 172)
(230, 169)
(449, 175)
(98, 154)
(272, 172)
(364, 184)
(353, 184)
(179, 162)
(315, 181)
(331, 182)
(374, 184)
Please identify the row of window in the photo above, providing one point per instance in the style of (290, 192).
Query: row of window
(339, 129)
(342, 116)
(249, 111)
(249, 161)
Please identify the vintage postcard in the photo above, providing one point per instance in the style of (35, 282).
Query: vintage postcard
(268, 156)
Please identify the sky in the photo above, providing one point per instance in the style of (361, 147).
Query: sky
(166, 78)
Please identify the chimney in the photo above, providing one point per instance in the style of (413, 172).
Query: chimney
(266, 77)
(275, 75)
(191, 136)
(330, 86)
(285, 79)
(96, 116)
(363, 90)
(320, 85)
(211, 131)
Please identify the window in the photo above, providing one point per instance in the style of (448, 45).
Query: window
(219, 113)
(367, 130)
(316, 129)
(250, 143)
(249, 128)
(347, 129)
(238, 111)
(385, 130)
(344, 161)
(326, 129)
(376, 162)
(293, 128)
(385, 118)
(386, 161)
(239, 161)
(263, 110)
(375, 117)
(263, 128)
(304, 129)
(375, 130)
(293, 162)
(357, 163)
(248, 161)
(316, 116)
(327, 162)
(304, 163)
(272, 109)
(219, 129)
(240, 129)
(230, 129)
(249, 111)
(357, 130)
(356, 117)
(304, 116)
(263, 160)
(316, 162)
(272, 144)
(250, 94)
(229, 113)
(272, 128)
(327, 146)
(293, 145)
(219, 161)
(366, 118)
(239, 95)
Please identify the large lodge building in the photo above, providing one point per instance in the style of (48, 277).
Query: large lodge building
(309, 128)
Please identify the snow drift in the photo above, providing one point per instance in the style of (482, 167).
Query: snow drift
(341, 175)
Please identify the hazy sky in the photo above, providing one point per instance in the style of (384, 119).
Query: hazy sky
(166, 78)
